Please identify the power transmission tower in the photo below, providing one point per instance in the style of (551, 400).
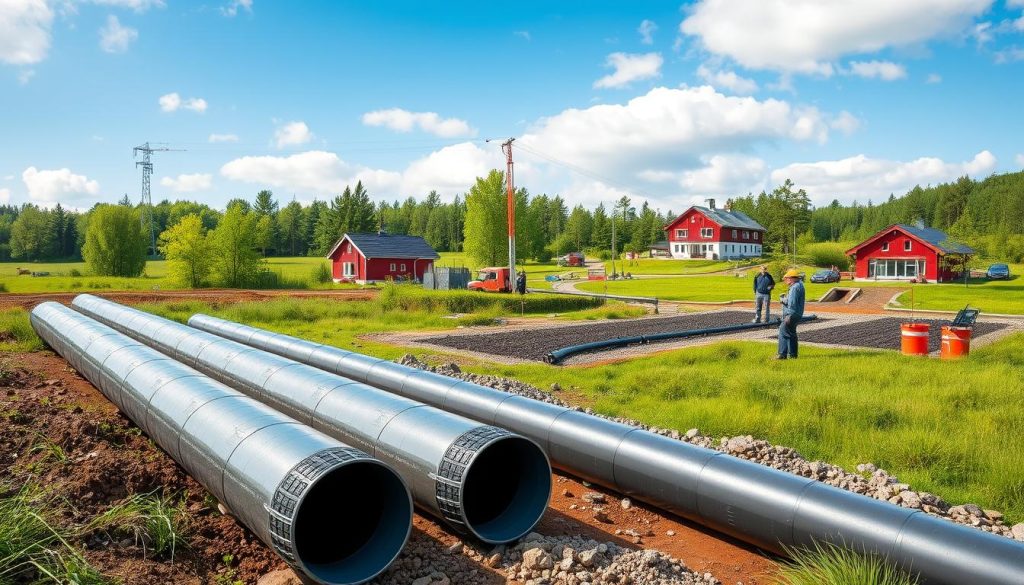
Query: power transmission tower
(147, 200)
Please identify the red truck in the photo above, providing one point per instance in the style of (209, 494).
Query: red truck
(493, 279)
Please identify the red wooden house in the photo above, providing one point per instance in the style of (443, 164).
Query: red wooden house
(904, 252)
(707, 232)
(366, 258)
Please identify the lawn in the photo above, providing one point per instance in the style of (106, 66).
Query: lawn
(995, 296)
(712, 288)
(672, 266)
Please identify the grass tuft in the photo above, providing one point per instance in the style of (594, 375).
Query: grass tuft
(154, 521)
(831, 565)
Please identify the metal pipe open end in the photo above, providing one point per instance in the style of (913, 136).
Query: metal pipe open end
(351, 523)
(505, 489)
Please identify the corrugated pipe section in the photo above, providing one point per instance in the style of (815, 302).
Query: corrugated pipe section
(558, 355)
(769, 508)
(480, 479)
(335, 514)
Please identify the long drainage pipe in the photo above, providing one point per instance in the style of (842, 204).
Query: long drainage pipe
(480, 479)
(558, 355)
(335, 514)
(763, 506)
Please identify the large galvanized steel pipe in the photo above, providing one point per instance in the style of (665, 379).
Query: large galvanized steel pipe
(769, 508)
(334, 513)
(480, 479)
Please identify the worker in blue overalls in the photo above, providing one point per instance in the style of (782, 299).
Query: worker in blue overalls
(792, 312)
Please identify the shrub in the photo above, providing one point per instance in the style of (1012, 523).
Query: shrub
(545, 255)
(268, 279)
(322, 273)
(408, 297)
(75, 273)
(827, 254)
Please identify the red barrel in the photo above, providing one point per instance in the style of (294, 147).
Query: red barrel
(956, 342)
(914, 339)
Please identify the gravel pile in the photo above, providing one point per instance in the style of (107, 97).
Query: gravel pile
(868, 479)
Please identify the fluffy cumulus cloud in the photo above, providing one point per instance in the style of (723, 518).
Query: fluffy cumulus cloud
(136, 5)
(292, 134)
(24, 31)
(5, 196)
(188, 183)
(808, 36)
(728, 80)
(725, 175)
(453, 169)
(646, 30)
(884, 70)
(861, 178)
(629, 68)
(50, 186)
(115, 38)
(172, 102)
(845, 122)
(405, 121)
(214, 138)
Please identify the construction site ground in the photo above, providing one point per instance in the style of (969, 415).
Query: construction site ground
(210, 295)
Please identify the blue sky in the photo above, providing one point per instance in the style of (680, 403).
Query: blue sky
(659, 101)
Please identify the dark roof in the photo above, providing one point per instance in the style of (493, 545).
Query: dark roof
(388, 246)
(936, 239)
(730, 219)
(660, 245)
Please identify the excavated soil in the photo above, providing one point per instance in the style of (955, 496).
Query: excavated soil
(537, 343)
(106, 458)
(212, 295)
(885, 333)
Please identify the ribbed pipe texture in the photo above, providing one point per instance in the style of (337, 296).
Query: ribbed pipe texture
(480, 479)
(763, 506)
(334, 513)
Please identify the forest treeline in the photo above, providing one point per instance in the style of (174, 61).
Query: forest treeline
(987, 214)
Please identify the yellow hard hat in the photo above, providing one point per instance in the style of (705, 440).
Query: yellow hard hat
(791, 273)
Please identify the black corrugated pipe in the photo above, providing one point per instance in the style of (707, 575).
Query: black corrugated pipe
(334, 513)
(480, 479)
(558, 355)
(769, 508)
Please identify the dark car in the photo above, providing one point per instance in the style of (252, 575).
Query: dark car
(825, 276)
(998, 271)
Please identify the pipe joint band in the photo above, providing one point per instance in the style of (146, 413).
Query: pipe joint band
(452, 469)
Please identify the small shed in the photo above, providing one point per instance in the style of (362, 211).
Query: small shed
(910, 252)
(368, 258)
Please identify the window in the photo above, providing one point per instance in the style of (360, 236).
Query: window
(402, 267)
(348, 248)
(348, 269)
(746, 235)
(682, 233)
(392, 267)
(757, 235)
(885, 247)
(707, 233)
(906, 245)
(693, 219)
(735, 234)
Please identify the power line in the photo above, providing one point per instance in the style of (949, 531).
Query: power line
(147, 200)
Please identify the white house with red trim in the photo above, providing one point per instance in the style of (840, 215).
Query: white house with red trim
(711, 233)
(366, 258)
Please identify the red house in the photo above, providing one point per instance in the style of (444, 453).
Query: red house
(707, 232)
(365, 258)
(903, 252)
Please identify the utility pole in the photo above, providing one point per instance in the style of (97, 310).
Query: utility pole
(506, 147)
(613, 242)
(147, 200)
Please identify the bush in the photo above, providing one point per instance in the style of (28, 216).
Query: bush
(408, 297)
(75, 273)
(827, 254)
(598, 253)
(270, 280)
(322, 273)
(545, 255)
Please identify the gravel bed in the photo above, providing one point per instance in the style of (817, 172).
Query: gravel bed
(885, 333)
(868, 479)
(535, 344)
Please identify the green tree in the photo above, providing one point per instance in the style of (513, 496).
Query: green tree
(289, 223)
(115, 244)
(236, 261)
(486, 231)
(31, 236)
(266, 210)
(189, 254)
(578, 227)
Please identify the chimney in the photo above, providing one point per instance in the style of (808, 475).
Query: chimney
(711, 203)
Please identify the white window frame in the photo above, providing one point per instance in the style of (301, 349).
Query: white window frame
(707, 233)
(885, 246)
(907, 245)
(735, 234)
(348, 269)
(682, 233)
(348, 248)
(401, 267)
(757, 235)
(392, 267)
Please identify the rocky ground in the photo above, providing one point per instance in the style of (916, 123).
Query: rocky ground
(885, 333)
(868, 480)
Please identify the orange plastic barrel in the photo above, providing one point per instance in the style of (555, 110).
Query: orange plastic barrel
(956, 342)
(914, 339)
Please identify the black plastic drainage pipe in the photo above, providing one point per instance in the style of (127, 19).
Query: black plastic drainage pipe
(335, 514)
(755, 503)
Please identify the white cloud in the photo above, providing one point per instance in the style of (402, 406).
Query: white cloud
(315, 171)
(136, 5)
(172, 102)
(884, 70)
(51, 186)
(807, 36)
(1020, 160)
(647, 29)
(453, 169)
(26, 75)
(405, 121)
(863, 178)
(115, 38)
(934, 78)
(292, 134)
(5, 196)
(845, 122)
(24, 31)
(727, 80)
(630, 68)
(725, 175)
(232, 7)
(223, 138)
(188, 183)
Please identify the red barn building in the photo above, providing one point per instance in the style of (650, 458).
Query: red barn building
(903, 252)
(365, 258)
(707, 232)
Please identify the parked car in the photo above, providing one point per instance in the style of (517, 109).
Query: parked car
(825, 276)
(998, 271)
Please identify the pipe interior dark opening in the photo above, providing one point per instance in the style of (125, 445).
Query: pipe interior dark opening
(506, 489)
(352, 523)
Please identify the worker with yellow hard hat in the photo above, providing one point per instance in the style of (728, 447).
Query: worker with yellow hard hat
(792, 312)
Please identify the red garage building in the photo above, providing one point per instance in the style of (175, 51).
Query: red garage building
(904, 252)
(365, 258)
(707, 232)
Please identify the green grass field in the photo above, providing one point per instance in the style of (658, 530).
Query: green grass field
(996, 296)
(697, 288)
(672, 266)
